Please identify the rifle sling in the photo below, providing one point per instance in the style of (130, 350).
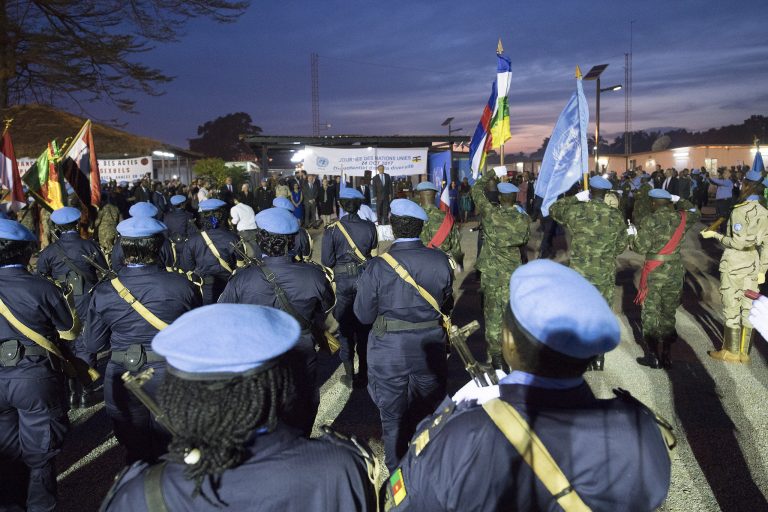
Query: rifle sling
(35, 336)
(215, 251)
(68, 262)
(282, 299)
(351, 242)
(132, 301)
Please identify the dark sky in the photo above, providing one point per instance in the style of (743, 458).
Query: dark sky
(402, 67)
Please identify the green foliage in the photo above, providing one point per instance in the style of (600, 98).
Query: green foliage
(215, 170)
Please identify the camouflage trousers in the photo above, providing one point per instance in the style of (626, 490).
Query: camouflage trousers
(665, 288)
(605, 282)
(495, 298)
(735, 277)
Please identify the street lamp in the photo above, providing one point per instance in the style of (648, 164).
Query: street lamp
(447, 123)
(594, 74)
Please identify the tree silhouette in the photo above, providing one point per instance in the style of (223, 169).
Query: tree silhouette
(221, 137)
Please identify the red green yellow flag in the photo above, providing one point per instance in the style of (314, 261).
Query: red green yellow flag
(44, 181)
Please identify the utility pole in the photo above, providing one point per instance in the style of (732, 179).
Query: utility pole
(314, 64)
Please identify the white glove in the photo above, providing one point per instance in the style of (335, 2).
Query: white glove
(675, 198)
(583, 196)
(632, 230)
(758, 316)
(471, 391)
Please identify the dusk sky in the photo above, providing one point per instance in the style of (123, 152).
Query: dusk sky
(402, 67)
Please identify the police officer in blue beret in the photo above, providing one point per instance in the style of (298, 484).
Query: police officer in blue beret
(64, 261)
(225, 395)
(302, 246)
(607, 454)
(33, 408)
(125, 313)
(407, 344)
(348, 244)
(210, 253)
(299, 288)
(180, 223)
(167, 256)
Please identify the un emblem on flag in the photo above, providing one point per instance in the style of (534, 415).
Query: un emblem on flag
(322, 162)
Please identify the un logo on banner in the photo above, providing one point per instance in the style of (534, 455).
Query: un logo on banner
(322, 162)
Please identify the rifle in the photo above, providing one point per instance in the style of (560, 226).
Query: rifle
(134, 383)
(483, 374)
(95, 265)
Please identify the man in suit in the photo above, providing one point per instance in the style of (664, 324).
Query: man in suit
(264, 196)
(142, 192)
(227, 192)
(670, 183)
(365, 189)
(381, 186)
(158, 198)
(310, 190)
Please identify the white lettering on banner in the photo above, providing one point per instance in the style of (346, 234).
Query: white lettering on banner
(127, 169)
(355, 161)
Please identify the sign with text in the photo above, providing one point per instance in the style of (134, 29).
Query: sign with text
(125, 169)
(355, 161)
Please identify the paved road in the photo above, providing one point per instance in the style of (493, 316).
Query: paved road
(718, 410)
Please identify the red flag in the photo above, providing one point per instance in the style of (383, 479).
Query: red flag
(81, 168)
(9, 173)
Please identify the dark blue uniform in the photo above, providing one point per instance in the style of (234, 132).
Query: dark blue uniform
(113, 323)
(407, 358)
(33, 411)
(311, 295)
(167, 257)
(302, 245)
(281, 471)
(181, 225)
(611, 451)
(198, 257)
(338, 256)
(51, 263)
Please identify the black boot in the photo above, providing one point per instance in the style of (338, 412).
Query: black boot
(74, 393)
(349, 373)
(666, 350)
(651, 357)
(89, 396)
(599, 363)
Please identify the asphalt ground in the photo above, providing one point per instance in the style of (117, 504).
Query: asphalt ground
(718, 411)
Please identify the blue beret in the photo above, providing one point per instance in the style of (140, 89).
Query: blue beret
(426, 185)
(283, 202)
(600, 183)
(178, 199)
(140, 227)
(123, 183)
(12, 230)
(754, 175)
(695, 171)
(350, 193)
(507, 188)
(659, 193)
(143, 209)
(278, 221)
(562, 310)
(211, 204)
(407, 208)
(242, 338)
(66, 215)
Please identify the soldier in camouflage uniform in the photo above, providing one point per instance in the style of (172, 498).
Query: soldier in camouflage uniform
(451, 245)
(506, 229)
(46, 228)
(742, 267)
(642, 206)
(598, 236)
(661, 297)
(26, 216)
(106, 226)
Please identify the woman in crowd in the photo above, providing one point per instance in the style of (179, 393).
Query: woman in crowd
(298, 202)
(465, 200)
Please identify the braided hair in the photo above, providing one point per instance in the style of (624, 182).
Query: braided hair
(351, 206)
(273, 244)
(212, 219)
(406, 227)
(16, 252)
(218, 418)
(143, 250)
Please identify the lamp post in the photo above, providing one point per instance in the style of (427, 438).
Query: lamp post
(594, 74)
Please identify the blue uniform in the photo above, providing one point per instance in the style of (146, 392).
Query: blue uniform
(166, 255)
(611, 451)
(113, 323)
(302, 245)
(197, 257)
(407, 361)
(281, 471)
(181, 225)
(311, 295)
(51, 263)
(33, 410)
(339, 256)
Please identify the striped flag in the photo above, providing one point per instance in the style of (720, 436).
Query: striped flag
(43, 180)
(9, 173)
(81, 169)
(493, 128)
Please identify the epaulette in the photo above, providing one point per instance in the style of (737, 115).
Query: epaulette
(125, 475)
(431, 426)
(665, 427)
(332, 225)
(357, 446)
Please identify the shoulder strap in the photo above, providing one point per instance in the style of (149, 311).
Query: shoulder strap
(132, 301)
(405, 276)
(153, 488)
(532, 450)
(215, 252)
(35, 336)
(351, 242)
(68, 261)
(282, 299)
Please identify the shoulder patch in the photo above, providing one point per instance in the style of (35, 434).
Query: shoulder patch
(520, 209)
(737, 227)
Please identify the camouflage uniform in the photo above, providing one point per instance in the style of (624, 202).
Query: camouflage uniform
(106, 226)
(598, 236)
(26, 216)
(745, 258)
(46, 228)
(642, 204)
(665, 283)
(505, 229)
(452, 244)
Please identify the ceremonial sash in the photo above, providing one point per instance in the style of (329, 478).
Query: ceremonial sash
(442, 232)
(651, 265)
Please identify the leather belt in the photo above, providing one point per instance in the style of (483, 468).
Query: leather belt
(383, 325)
(346, 269)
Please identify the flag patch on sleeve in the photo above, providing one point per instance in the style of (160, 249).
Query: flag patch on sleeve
(397, 485)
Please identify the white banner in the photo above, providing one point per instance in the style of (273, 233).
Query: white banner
(355, 161)
(127, 169)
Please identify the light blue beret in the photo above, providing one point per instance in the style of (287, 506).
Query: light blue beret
(426, 185)
(695, 171)
(123, 183)
(178, 199)
(140, 227)
(600, 183)
(754, 175)
(562, 310)
(143, 209)
(242, 338)
(506, 188)
(350, 193)
(211, 204)
(407, 208)
(278, 221)
(12, 230)
(659, 193)
(66, 215)
(283, 202)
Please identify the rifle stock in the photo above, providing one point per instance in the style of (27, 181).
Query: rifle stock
(483, 374)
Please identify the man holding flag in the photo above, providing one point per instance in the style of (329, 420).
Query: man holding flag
(440, 231)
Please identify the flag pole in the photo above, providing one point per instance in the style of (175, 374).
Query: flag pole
(500, 51)
(7, 124)
(585, 178)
